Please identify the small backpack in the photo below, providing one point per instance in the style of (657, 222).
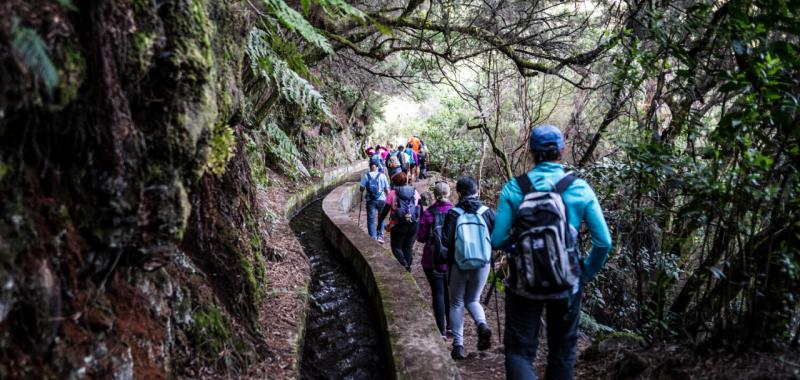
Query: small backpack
(473, 245)
(392, 162)
(545, 261)
(407, 210)
(438, 249)
(422, 156)
(373, 186)
(410, 156)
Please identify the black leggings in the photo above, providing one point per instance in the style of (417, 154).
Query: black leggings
(403, 236)
(439, 298)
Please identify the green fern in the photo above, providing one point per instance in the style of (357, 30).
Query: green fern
(67, 4)
(32, 52)
(295, 22)
(283, 150)
(294, 88)
(340, 8)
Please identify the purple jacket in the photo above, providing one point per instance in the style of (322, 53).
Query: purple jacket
(424, 230)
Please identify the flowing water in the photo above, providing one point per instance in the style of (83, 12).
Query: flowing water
(342, 340)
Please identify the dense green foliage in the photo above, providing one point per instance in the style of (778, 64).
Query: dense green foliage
(684, 119)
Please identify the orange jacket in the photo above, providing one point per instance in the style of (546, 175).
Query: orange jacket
(415, 143)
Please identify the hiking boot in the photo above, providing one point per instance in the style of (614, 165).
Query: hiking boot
(458, 353)
(484, 337)
(380, 240)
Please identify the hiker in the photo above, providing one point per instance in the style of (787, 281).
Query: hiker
(413, 169)
(374, 157)
(404, 216)
(556, 284)
(384, 151)
(376, 186)
(466, 232)
(416, 143)
(430, 229)
(394, 163)
(423, 163)
(405, 158)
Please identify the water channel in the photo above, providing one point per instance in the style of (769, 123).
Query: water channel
(342, 339)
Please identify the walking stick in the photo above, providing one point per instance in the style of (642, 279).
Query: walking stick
(493, 288)
(360, 202)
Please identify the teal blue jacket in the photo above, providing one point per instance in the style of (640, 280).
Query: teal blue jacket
(582, 205)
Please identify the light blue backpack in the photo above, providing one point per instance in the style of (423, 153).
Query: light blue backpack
(473, 245)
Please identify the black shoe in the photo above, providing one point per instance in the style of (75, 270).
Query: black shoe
(458, 353)
(484, 337)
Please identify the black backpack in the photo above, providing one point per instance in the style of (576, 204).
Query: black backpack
(407, 210)
(423, 157)
(545, 262)
(438, 249)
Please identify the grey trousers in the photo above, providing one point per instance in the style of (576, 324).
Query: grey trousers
(465, 288)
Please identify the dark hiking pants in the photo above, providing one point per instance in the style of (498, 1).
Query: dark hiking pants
(523, 319)
(403, 236)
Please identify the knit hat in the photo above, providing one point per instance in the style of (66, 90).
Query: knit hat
(467, 186)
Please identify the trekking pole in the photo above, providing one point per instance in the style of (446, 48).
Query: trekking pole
(496, 305)
(360, 202)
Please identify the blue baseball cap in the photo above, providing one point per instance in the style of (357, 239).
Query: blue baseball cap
(546, 137)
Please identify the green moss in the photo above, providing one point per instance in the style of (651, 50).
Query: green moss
(623, 335)
(407, 277)
(143, 43)
(210, 332)
(71, 73)
(222, 148)
(258, 167)
(140, 6)
(212, 336)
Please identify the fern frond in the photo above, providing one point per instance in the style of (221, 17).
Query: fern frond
(67, 4)
(294, 88)
(32, 52)
(341, 8)
(295, 22)
(283, 150)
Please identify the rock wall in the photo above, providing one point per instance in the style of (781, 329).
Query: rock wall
(412, 339)
(100, 274)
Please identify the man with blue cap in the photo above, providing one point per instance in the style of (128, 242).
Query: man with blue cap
(577, 202)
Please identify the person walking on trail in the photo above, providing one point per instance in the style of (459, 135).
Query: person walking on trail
(466, 233)
(383, 151)
(413, 169)
(538, 217)
(376, 186)
(434, 254)
(423, 163)
(404, 219)
(416, 143)
(405, 158)
(375, 159)
(395, 162)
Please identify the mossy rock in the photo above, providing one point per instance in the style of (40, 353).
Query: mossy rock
(619, 340)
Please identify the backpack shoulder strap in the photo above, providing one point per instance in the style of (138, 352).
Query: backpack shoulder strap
(458, 210)
(525, 184)
(481, 210)
(564, 183)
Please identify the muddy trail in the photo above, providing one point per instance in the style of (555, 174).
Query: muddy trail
(342, 339)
